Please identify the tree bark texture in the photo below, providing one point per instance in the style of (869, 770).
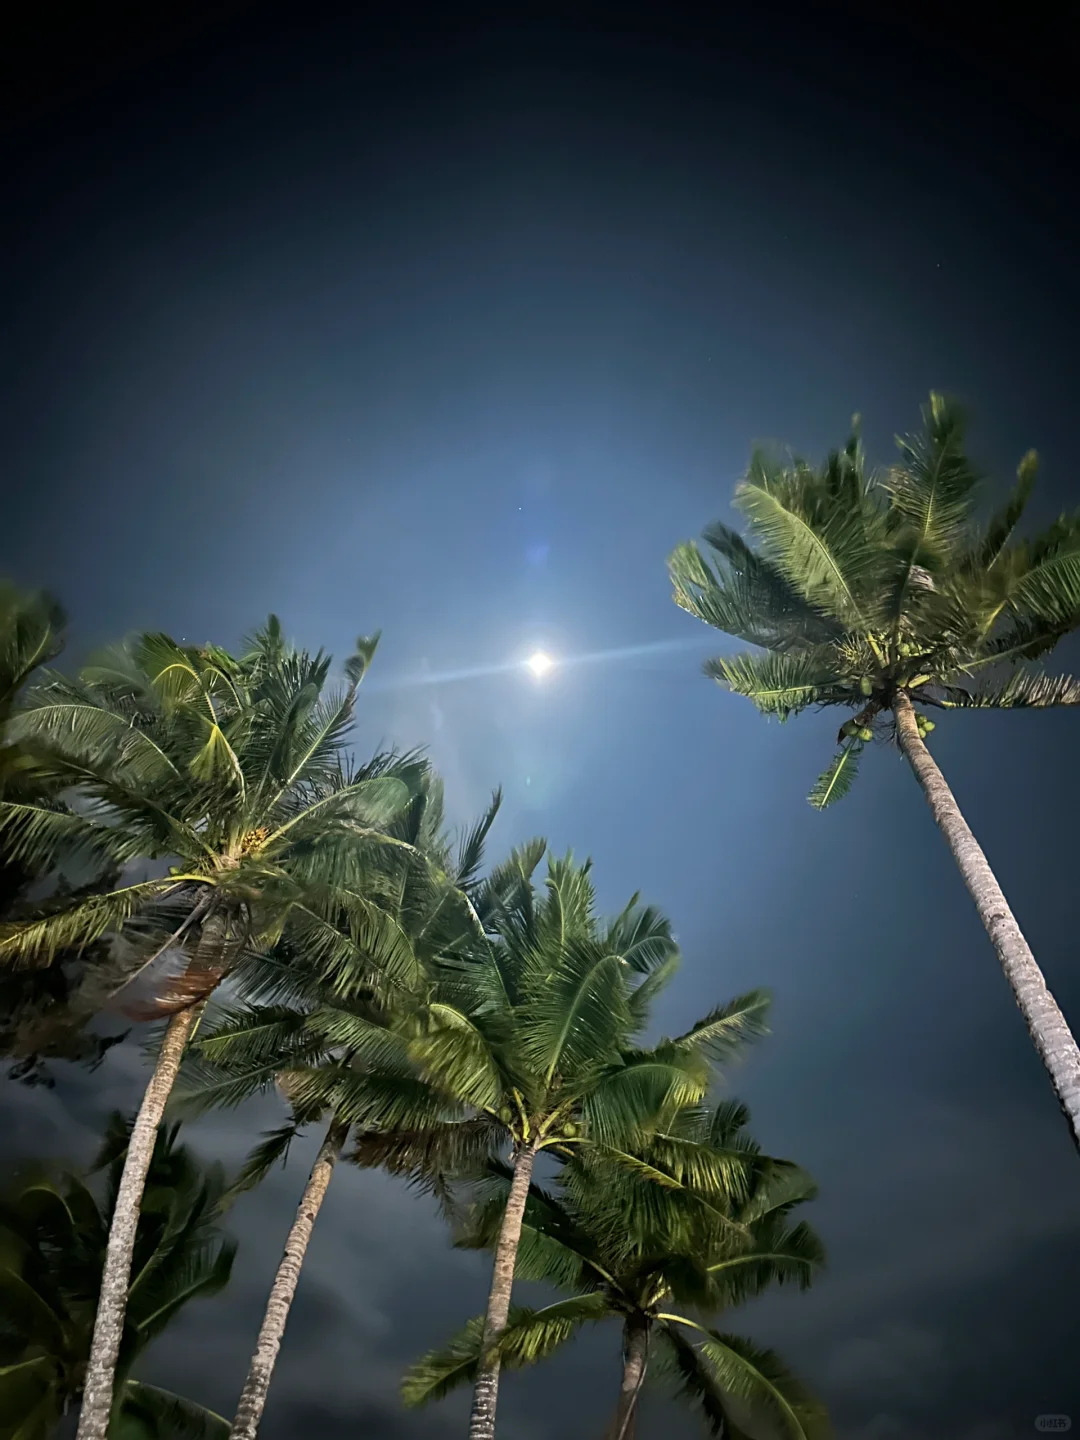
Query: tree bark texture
(486, 1390)
(253, 1397)
(635, 1358)
(116, 1275)
(1046, 1024)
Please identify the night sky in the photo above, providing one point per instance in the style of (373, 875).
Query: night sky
(456, 328)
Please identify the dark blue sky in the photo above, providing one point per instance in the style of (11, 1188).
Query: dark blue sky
(455, 329)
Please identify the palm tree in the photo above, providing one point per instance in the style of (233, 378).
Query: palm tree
(53, 1237)
(884, 595)
(32, 630)
(234, 770)
(334, 1031)
(36, 1024)
(534, 1030)
(642, 1244)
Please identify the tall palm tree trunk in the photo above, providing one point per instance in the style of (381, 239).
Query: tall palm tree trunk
(1046, 1024)
(635, 1359)
(253, 1397)
(486, 1390)
(97, 1401)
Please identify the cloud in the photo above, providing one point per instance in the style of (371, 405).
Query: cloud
(899, 1360)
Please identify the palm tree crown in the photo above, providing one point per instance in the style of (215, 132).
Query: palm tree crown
(654, 1241)
(319, 1025)
(534, 1026)
(862, 588)
(232, 770)
(53, 1232)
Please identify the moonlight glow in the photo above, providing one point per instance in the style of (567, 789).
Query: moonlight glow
(539, 664)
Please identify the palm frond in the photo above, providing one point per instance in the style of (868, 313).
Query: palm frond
(439, 1372)
(726, 1122)
(734, 1382)
(781, 1185)
(932, 491)
(470, 854)
(169, 1416)
(630, 1100)
(76, 926)
(360, 807)
(777, 684)
(32, 626)
(508, 889)
(643, 937)
(575, 1014)
(775, 1255)
(530, 1335)
(553, 1248)
(1022, 639)
(352, 942)
(722, 1032)
(1044, 576)
(201, 1270)
(1000, 530)
(42, 835)
(367, 1042)
(244, 1035)
(68, 716)
(358, 663)
(371, 1100)
(455, 1053)
(205, 1086)
(644, 995)
(837, 780)
(272, 1149)
(743, 595)
(1022, 690)
(567, 911)
(632, 1204)
(720, 1173)
(24, 1307)
(28, 1398)
(827, 552)
(427, 1152)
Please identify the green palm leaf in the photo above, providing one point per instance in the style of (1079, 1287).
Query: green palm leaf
(932, 492)
(575, 1012)
(642, 936)
(149, 1413)
(471, 850)
(1022, 690)
(643, 996)
(731, 1379)
(722, 1032)
(28, 1410)
(530, 1335)
(630, 1099)
(455, 1053)
(778, 684)
(1000, 530)
(47, 1309)
(837, 780)
(827, 556)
